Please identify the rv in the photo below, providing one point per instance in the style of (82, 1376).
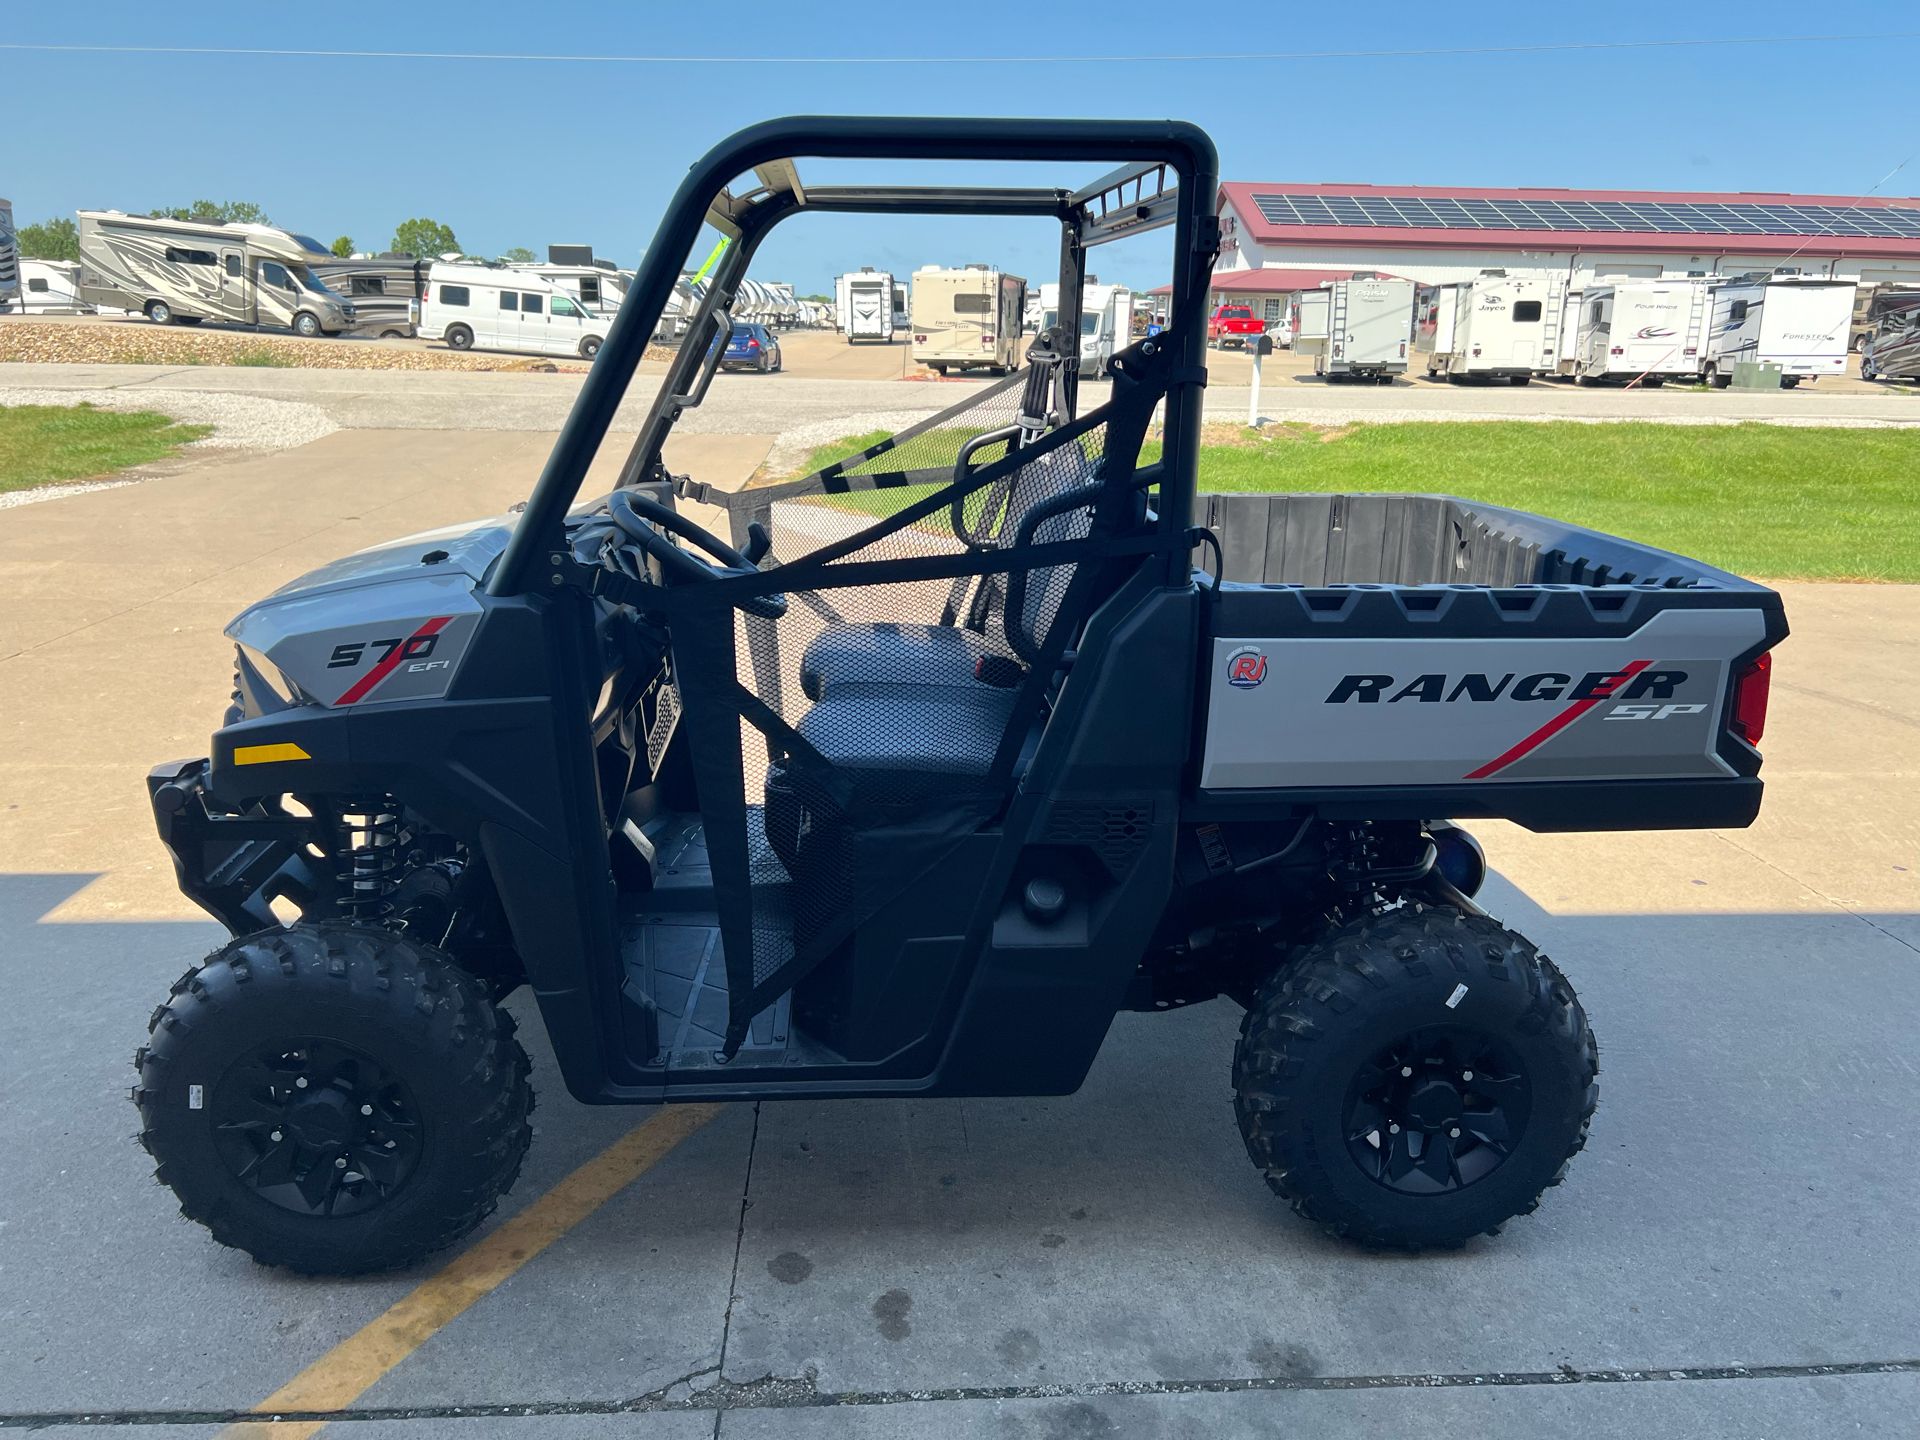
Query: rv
(1646, 330)
(498, 307)
(967, 319)
(1106, 321)
(600, 285)
(863, 305)
(9, 257)
(49, 287)
(1793, 321)
(1892, 351)
(1490, 328)
(384, 289)
(186, 271)
(1357, 329)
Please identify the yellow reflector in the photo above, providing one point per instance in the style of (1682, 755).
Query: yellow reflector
(267, 754)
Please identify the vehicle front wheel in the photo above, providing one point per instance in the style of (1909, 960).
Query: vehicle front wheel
(590, 347)
(333, 1098)
(1415, 1078)
(306, 325)
(459, 337)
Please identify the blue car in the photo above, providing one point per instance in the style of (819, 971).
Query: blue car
(751, 347)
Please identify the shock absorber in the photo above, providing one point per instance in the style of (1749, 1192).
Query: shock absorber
(372, 832)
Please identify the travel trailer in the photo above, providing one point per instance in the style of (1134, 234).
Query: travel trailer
(498, 307)
(49, 287)
(1355, 329)
(967, 319)
(1645, 330)
(1892, 351)
(1796, 322)
(1493, 327)
(863, 305)
(384, 290)
(600, 285)
(186, 271)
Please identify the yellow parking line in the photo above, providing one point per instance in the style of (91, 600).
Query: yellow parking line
(349, 1369)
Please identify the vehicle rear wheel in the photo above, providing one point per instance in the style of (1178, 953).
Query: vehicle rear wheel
(1716, 379)
(188, 319)
(1415, 1078)
(589, 347)
(1521, 379)
(1867, 372)
(1789, 382)
(1654, 382)
(459, 337)
(940, 370)
(159, 312)
(333, 1098)
(306, 325)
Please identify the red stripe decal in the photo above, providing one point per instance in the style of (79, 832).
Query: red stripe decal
(359, 689)
(1558, 723)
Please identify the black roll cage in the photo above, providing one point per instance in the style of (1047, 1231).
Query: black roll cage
(1168, 175)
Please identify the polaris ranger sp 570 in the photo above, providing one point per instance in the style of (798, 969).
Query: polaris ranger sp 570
(912, 778)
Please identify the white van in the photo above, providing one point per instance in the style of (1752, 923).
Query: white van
(486, 307)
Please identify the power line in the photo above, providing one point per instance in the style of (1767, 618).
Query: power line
(831, 60)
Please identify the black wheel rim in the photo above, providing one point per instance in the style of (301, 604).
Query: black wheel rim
(1437, 1110)
(316, 1127)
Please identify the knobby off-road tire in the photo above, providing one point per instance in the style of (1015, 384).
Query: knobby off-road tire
(1351, 1015)
(333, 1098)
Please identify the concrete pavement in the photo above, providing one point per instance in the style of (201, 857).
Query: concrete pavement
(1732, 1255)
(755, 404)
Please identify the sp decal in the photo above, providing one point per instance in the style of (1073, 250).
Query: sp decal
(1246, 668)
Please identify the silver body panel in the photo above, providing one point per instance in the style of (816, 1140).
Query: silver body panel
(382, 625)
(1428, 726)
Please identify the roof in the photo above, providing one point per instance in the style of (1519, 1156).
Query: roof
(1269, 280)
(1441, 216)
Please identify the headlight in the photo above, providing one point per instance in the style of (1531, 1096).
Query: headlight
(258, 686)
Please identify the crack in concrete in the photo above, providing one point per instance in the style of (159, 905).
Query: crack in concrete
(790, 1392)
(1815, 890)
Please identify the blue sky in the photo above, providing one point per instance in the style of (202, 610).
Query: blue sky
(527, 153)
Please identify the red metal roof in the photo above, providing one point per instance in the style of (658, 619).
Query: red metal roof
(1269, 280)
(1260, 230)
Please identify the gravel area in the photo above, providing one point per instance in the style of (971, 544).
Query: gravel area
(139, 342)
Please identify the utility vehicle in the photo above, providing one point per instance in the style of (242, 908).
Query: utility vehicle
(915, 771)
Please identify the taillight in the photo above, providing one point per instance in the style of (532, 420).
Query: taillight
(919, 339)
(986, 340)
(1617, 350)
(1750, 689)
(753, 344)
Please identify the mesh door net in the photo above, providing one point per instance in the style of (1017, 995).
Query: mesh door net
(931, 584)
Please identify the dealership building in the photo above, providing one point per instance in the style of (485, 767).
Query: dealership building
(1280, 238)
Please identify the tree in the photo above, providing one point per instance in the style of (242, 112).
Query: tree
(219, 212)
(518, 255)
(343, 247)
(423, 238)
(49, 240)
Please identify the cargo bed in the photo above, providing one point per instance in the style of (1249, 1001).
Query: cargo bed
(1382, 656)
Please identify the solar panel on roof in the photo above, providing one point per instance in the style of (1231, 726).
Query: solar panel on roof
(1650, 217)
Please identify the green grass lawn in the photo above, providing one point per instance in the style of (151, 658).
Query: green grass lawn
(44, 444)
(1769, 501)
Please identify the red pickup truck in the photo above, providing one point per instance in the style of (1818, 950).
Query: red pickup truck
(1232, 325)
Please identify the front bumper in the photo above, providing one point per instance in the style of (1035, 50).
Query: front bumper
(235, 864)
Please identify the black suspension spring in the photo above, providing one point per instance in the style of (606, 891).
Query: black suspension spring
(372, 833)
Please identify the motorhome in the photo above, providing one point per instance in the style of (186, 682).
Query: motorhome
(1496, 326)
(1648, 331)
(967, 318)
(186, 271)
(1796, 322)
(1359, 329)
(49, 287)
(384, 290)
(1106, 321)
(863, 305)
(1892, 351)
(498, 307)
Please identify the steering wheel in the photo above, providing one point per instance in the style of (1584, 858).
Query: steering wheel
(642, 520)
